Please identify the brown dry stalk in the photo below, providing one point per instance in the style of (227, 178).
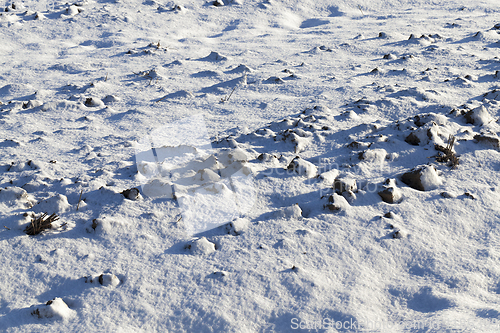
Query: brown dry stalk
(227, 97)
(449, 155)
(41, 223)
(78, 205)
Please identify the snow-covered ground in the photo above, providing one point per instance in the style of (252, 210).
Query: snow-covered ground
(314, 166)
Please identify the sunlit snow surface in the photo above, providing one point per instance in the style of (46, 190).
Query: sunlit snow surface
(216, 168)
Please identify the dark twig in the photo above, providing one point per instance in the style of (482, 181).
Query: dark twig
(161, 99)
(359, 7)
(225, 99)
(78, 205)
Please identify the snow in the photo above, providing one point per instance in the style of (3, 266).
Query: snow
(478, 116)
(202, 246)
(57, 204)
(237, 226)
(429, 178)
(303, 167)
(16, 197)
(55, 308)
(239, 166)
(105, 279)
(291, 212)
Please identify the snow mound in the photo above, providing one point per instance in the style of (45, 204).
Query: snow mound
(292, 212)
(377, 156)
(16, 197)
(229, 156)
(109, 280)
(55, 308)
(273, 80)
(493, 94)
(268, 158)
(237, 226)
(110, 99)
(390, 193)
(329, 176)
(423, 178)
(72, 11)
(57, 204)
(132, 194)
(214, 57)
(175, 8)
(39, 16)
(201, 246)
(158, 188)
(303, 167)
(206, 176)
(344, 184)
(219, 87)
(10, 143)
(93, 102)
(15, 89)
(207, 74)
(181, 94)
(489, 140)
(103, 196)
(105, 279)
(478, 116)
(107, 225)
(32, 103)
(21, 166)
(337, 203)
(429, 178)
(240, 69)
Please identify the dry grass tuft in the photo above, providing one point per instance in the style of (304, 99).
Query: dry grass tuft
(448, 156)
(41, 223)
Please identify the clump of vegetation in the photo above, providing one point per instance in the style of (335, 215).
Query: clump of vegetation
(41, 223)
(447, 155)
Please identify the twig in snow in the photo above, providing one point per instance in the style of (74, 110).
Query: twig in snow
(227, 97)
(361, 10)
(78, 205)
